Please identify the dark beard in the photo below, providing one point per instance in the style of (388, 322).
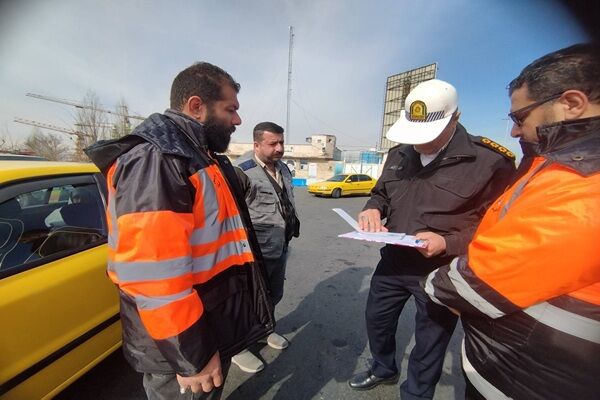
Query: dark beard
(217, 134)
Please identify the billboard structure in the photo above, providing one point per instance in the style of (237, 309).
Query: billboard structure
(396, 89)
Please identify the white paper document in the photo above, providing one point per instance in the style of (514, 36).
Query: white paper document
(400, 239)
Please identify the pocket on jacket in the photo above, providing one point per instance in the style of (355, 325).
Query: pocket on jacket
(270, 239)
(265, 203)
(455, 187)
(230, 313)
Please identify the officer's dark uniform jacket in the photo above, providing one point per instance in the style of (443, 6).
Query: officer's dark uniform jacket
(529, 289)
(448, 196)
(272, 220)
(187, 266)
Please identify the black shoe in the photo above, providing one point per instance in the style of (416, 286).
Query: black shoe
(366, 380)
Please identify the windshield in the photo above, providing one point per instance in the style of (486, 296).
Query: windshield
(337, 178)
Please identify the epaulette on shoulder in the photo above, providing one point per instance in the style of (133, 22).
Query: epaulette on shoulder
(246, 165)
(490, 144)
(284, 165)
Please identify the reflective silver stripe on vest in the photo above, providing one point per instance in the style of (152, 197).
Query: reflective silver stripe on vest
(565, 321)
(466, 292)
(113, 233)
(484, 387)
(206, 262)
(211, 233)
(520, 188)
(150, 303)
(151, 270)
(210, 203)
(430, 290)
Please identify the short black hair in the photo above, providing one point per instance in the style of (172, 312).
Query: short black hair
(261, 127)
(200, 79)
(573, 68)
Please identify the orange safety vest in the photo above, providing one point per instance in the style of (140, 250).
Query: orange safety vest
(159, 266)
(547, 243)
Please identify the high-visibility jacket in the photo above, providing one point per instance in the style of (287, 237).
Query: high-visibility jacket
(529, 289)
(180, 250)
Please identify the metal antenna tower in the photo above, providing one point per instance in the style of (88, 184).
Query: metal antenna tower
(289, 86)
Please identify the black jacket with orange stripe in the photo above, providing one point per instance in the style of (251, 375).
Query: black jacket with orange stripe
(529, 288)
(181, 248)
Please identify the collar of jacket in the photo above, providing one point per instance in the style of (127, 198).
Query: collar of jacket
(575, 144)
(250, 155)
(460, 147)
(163, 132)
(192, 129)
(172, 133)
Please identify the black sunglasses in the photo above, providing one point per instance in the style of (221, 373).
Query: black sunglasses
(519, 116)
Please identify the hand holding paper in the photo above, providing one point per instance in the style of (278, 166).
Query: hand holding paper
(370, 221)
(400, 239)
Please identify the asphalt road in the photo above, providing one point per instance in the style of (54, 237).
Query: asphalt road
(322, 313)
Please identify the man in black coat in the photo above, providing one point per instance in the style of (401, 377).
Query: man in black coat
(437, 186)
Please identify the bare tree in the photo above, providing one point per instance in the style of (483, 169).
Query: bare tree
(92, 125)
(7, 143)
(122, 125)
(47, 145)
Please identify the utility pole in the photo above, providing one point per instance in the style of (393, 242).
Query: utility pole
(289, 85)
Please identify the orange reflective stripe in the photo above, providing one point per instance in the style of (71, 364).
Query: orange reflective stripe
(162, 287)
(153, 235)
(225, 237)
(113, 277)
(173, 318)
(234, 260)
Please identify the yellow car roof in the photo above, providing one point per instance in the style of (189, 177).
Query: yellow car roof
(15, 170)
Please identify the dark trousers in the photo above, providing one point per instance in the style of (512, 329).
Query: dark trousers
(275, 268)
(166, 387)
(433, 329)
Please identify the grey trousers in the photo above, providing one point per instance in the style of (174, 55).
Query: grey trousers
(276, 274)
(166, 387)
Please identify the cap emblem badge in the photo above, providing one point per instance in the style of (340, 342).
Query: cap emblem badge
(418, 111)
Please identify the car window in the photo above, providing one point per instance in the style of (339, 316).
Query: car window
(47, 222)
(353, 178)
(337, 178)
(365, 178)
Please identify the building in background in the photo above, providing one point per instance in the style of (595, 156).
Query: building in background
(315, 159)
(396, 89)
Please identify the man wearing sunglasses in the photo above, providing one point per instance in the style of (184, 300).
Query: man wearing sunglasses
(528, 291)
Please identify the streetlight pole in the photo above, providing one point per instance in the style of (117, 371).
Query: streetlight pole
(289, 86)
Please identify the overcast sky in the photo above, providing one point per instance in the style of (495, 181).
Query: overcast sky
(343, 52)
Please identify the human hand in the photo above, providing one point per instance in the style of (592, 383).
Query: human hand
(435, 244)
(206, 380)
(370, 221)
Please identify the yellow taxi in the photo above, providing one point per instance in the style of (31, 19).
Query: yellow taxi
(343, 185)
(59, 311)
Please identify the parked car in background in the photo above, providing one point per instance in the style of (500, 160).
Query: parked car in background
(343, 185)
(59, 311)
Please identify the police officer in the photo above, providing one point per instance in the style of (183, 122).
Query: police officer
(267, 183)
(436, 185)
